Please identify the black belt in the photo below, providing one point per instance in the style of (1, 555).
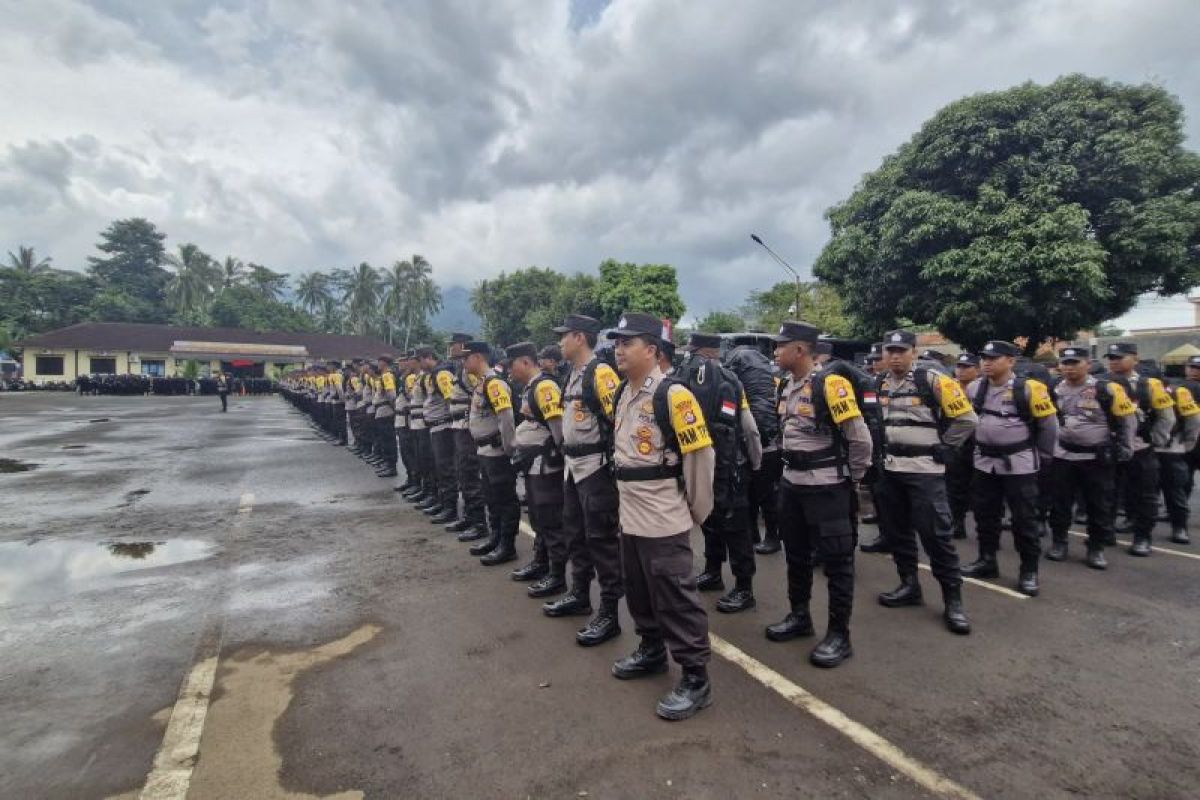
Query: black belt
(581, 450)
(812, 459)
(655, 473)
(1003, 450)
(1083, 448)
(910, 450)
(458, 416)
(495, 440)
(907, 423)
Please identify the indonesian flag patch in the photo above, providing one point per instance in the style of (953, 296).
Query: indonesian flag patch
(729, 408)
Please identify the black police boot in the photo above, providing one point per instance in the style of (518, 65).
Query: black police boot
(575, 603)
(550, 584)
(473, 534)
(389, 472)
(506, 550)
(768, 546)
(1027, 582)
(1180, 536)
(1095, 558)
(1140, 547)
(869, 519)
(710, 580)
(877, 545)
(959, 531)
(650, 658)
(983, 567)
(447, 515)
(429, 504)
(458, 526)
(954, 615)
(600, 628)
(833, 649)
(532, 571)
(1057, 551)
(487, 546)
(908, 593)
(796, 624)
(741, 598)
(692, 693)
(1124, 525)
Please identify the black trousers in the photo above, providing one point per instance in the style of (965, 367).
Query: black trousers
(385, 439)
(443, 464)
(1095, 485)
(818, 518)
(660, 591)
(912, 505)
(727, 532)
(544, 494)
(224, 400)
(1174, 478)
(763, 495)
(423, 450)
(466, 471)
(500, 496)
(1138, 482)
(339, 421)
(590, 516)
(959, 471)
(406, 445)
(989, 493)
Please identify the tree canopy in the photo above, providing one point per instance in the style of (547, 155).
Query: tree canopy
(1035, 211)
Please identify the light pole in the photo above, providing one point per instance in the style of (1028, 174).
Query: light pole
(783, 264)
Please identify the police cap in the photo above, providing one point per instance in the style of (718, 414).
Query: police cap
(551, 351)
(899, 340)
(579, 322)
(521, 350)
(460, 338)
(424, 351)
(1193, 361)
(967, 360)
(698, 340)
(997, 348)
(636, 323)
(824, 348)
(385, 358)
(473, 347)
(794, 331)
(876, 353)
(1068, 354)
(1121, 349)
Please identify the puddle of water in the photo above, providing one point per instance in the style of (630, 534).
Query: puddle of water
(52, 568)
(73, 446)
(101, 419)
(12, 465)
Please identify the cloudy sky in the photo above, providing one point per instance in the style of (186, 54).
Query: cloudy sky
(494, 134)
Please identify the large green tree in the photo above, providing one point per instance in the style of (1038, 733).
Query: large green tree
(650, 288)
(505, 302)
(819, 305)
(32, 303)
(410, 297)
(196, 278)
(131, 272)
(721, 322)
(1035, 211)
(246, 307)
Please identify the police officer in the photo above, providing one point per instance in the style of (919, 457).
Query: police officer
(404, 434)
(370, 381)
(1016, 432)
(439, 385)
(664, 468)
(427, 498)
(926, 416)
(590, 501)
(223, 390)
(550, 359)
(385, 409)
(1192, 381)
(1156, 421)
(755, 372)
(1097, 422)
(1173, 470)
(960, 466)
(353, 386)
(875, 362)
(875, 366)
(493, 430)
(472, 525)
(337, 393)
(827, 448)
(738, 451)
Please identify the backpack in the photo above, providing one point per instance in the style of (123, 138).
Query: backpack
(1106, 399)
(868, 404)
(591, 399)
(550, 452)
(718, 392)
(758, 380)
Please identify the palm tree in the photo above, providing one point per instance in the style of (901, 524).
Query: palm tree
(194, 283)
(266, 282)
(26, 261)
(363, 298)
(410, 296)
(313, 290)
(233, 271)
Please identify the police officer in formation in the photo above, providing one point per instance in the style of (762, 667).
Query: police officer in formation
(1174, 460)
(960, 464)
(472, 524)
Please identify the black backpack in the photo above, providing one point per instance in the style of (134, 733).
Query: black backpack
(719, 393)
(867, 399)
(758, 380)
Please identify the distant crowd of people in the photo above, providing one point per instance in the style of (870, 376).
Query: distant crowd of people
(145, 384)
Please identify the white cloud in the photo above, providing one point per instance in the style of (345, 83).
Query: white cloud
(489, 136)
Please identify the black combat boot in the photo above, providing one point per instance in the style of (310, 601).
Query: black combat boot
(1058, 550)
(833, 649)
(959, 531)
(458, 526)
(650, 658)
(877, 545)
(983, 567)
(505, 551)
(575, 603)
(692, 693)
(710, 580)
(1095, 558)
(954, 615)
(1179, 535)
(474, 533)
(769, 545)
(1140, 547)
(740, 599)
(387, 472)
(552, 583)
(1027, 582)
(908, 593)
(796, 624)
(600, 628)
(534, 570)
(488, 545)
(446, 516)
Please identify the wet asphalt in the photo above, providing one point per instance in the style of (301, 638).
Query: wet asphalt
(363, 652)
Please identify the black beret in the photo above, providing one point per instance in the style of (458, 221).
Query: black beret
(578, 322)
(794, 331)
(999, 348)
(521, 350)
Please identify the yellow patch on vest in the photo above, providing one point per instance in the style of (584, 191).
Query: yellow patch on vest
(499, 396)
(1160, 398)
(839, 396)
(1122, 406)
(1185, 404)
(954, 399)
(1040, 404)
(691, 429)
(389, 382)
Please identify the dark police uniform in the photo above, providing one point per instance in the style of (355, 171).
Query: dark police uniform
(960, 463)
(826, 449)
(1174, 472)
(466, 462)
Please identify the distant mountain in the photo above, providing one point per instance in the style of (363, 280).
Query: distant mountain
(456, 313)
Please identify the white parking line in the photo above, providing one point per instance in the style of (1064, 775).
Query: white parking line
(1004, 590)
(858, 733)
(175, 760)
(1155, 548)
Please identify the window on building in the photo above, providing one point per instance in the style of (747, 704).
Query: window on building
(103, 366)
(156, 368)
(49, 365)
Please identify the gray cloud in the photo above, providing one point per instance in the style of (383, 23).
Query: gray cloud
(489, 136)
